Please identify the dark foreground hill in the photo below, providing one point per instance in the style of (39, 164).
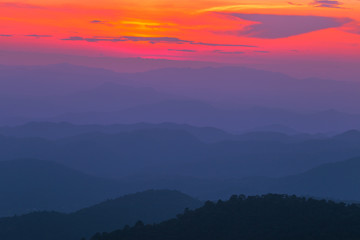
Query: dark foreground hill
(267, 217)
(150, 207)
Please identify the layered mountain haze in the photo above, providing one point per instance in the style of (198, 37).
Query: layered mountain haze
(105, 97)
(177, 151)
(32, 185)
(246, 99)
(41, 185)
(232, 120)
(246, 86)
(336, 181)
(47, 80)
(51, 130)
(182, 103)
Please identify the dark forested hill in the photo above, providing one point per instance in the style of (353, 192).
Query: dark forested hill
(267, 217)
(150, 207)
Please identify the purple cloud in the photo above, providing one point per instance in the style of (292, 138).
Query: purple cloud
(230, 53)
(354, 27)
(94, 39)
(182, 50)
(327, 3)
(262, 51)
(282, 26)
(38, 36)
(97, 21)
(222, 45)
(101, 22)
(152, 40)
(5, 35)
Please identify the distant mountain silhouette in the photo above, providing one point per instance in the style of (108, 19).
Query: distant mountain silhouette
(251, 86)
(149, 206)
(337, 181)
(178, 111)
(200, 113)
(194, 113)
(111, 96)
(30, 185)
(253, 218)
(349, 136)
(340, 180)
(33, 185)
(275, 128)
(273, 137)
(57, 79)
(177, 152)
(78, 94)
(50, 130)
(104, 97)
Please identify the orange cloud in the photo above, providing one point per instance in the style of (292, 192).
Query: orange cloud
(151, 27)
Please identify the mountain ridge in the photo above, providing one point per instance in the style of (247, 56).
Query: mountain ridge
(149, 206)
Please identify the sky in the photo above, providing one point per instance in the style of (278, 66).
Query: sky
(305, 38)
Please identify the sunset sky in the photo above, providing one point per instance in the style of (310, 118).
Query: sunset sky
(308, 35)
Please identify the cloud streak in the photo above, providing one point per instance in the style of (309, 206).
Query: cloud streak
(38, 36)
(101, 22)
(228, 53)
(261, 52)
(327, 4)
(152, 40)
(283, 26)
(240, 7)
(182, 50)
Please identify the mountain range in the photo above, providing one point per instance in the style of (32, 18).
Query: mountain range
(337, 181)
(33, 185)
(51, 130)
(177, 150)
(150, 206)
(231, 98)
